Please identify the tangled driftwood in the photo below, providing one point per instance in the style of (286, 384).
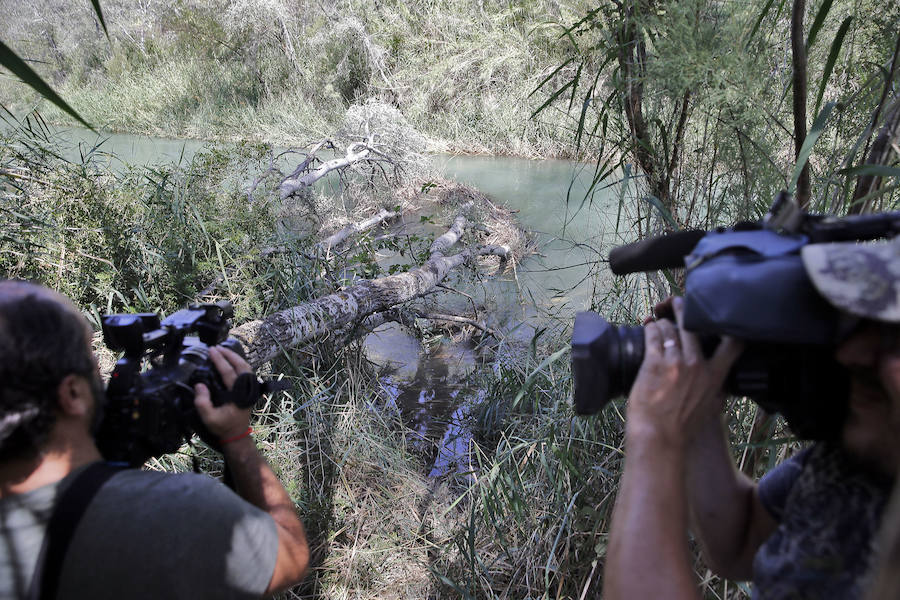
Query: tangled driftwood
(266, 338)
(382, 152)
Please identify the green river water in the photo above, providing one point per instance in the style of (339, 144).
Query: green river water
(429, 386)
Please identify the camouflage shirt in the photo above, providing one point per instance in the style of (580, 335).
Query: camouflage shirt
(828, 513)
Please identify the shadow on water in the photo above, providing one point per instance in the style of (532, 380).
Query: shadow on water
(428, 389)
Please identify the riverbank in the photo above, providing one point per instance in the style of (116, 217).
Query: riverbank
(149, 238)
(282, 130)
(254, 71)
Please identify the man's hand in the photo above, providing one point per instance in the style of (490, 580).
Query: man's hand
(676, 394)
(254, 480)
(228, 420)
(677, 390)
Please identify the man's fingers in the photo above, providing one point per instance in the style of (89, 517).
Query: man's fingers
(224, 366)
(653, 340)
(670, 342)
(235, 360)
(690, 344)
(202, 401)
(663, 310)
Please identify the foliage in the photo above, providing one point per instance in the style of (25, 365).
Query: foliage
(18, 67)
(146, 239)
(283, 72)
(694, 95)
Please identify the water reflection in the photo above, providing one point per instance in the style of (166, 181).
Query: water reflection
(433, 399)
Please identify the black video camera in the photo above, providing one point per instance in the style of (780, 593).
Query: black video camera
(748, 282)
(150, 411)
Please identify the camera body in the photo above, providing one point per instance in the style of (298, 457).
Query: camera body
(748, 282)
(149, 409)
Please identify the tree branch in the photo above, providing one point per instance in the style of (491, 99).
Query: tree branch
(266, 338)
(341, 236)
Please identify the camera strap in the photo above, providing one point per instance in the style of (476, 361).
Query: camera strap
(64, 519)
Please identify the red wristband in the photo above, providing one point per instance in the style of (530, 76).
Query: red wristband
(237, 437)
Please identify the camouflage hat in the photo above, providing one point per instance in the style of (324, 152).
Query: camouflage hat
(860, 278)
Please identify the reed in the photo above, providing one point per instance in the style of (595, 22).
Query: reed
(529, 515)
(462, 71)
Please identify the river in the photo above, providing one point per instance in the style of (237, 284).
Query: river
(428, 385)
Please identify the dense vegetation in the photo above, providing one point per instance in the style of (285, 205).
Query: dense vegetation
(685, 107)
(461, 71)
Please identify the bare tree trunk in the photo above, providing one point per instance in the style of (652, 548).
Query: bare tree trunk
(798, 53)
(341, 236)
(267, 338)
(631, 62)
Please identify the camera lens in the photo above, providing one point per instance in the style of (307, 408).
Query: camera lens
(605, 360)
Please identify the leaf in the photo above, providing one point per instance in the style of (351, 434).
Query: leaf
(676, 289)
(463, 593)
(553, 97)
(550, 76)
(877, 170)
(663, 211)
(575, 86)
(99, 12)
(806, 149)
(817, 23)
(10, 60)
(535, 338)
(579, 131)
(622, 189)
(888, 189)
(533, 375)
(832, 58)
(762, 15)
(589, 17)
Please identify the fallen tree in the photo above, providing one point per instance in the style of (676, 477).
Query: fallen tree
(264, 339)
(384, 182)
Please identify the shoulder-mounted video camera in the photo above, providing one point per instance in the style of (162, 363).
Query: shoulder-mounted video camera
(149, 409)
(748, 282)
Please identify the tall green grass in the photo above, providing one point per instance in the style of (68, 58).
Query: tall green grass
(460, 70)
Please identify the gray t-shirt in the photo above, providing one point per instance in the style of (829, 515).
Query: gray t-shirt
(145, 535)
(828, 511)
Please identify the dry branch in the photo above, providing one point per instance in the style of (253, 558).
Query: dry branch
(266, 338)
(352, 229)
(298, 180)
(458, 319)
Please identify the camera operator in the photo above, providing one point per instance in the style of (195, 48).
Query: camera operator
(144, 534)
(807, 529)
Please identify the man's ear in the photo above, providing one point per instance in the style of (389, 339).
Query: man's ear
(74, 396)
